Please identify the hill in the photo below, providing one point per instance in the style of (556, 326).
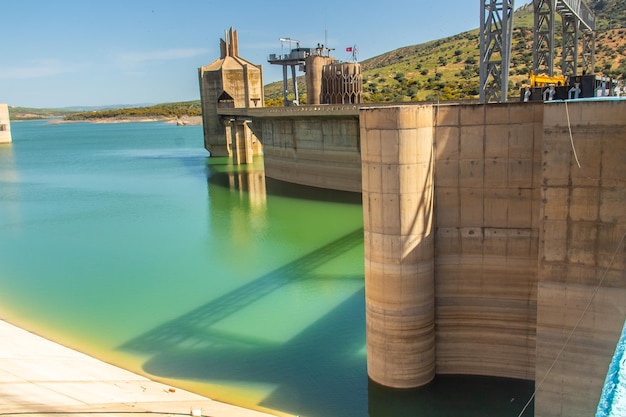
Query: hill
(27, 113)
(448, 68)
(187, 110)
(160, 111)
(442, 69)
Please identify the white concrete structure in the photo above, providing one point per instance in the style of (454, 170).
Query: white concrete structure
(39, 377)
(5, 124)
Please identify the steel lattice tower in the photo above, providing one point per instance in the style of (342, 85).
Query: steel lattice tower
(496, 28)
(578, 24)
(543, 38)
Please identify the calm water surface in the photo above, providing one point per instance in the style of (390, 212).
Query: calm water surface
(127, 242)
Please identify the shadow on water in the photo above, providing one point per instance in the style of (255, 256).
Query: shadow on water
(321, 371)
(303, 369)
(190, 329)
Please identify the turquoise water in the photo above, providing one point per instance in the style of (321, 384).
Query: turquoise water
(613, 399)
(127, 242)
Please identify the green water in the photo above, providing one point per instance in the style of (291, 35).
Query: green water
(127, 242)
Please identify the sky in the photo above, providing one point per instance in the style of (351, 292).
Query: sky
(67, 53)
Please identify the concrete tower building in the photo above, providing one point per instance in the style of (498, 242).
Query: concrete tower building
(315, 64)
(5, 124)
(229, 81)
(342, 83)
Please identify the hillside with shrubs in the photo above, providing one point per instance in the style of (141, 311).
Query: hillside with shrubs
(448, 68)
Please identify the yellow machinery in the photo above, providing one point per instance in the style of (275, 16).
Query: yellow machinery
(542, 80)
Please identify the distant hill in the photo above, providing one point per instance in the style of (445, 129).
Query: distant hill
(27, 113)
(112, 112)
(165, 110)
(107, 107)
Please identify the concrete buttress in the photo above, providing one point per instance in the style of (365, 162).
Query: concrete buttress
(398, 196)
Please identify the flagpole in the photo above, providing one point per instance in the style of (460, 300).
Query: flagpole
(353, 52)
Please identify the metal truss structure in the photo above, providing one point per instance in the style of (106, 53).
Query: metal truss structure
(496, 28)
(543, 41)
(578, 24)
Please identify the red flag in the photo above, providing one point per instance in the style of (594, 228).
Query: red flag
(349, 49)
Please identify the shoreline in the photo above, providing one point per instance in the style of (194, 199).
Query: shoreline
(179, 121)
(39, 376)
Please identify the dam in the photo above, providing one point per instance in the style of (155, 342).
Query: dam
(494, 234)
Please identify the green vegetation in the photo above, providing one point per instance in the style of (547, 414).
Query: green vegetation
(27, 113)
(161, 111)
(610, 14)
(166, 110)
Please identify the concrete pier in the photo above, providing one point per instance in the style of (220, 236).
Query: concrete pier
(398, 197)
(5, 124)
(40, 378)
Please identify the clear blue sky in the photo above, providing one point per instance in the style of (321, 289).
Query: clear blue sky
(101, 52)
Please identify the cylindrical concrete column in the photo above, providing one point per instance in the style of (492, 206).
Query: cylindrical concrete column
(314, 66)
(398, 193)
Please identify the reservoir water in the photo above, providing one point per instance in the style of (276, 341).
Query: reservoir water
(126, 242)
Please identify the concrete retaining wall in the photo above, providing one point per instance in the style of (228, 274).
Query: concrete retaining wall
(482, 220)
(315, 151)
(485, 242)
(582, 254)
(518, 243)
(488, 171)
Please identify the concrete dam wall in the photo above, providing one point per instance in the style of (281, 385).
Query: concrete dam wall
(582, 253)
(489, 251)
(311, 145)
(464, 181)
(494, 234)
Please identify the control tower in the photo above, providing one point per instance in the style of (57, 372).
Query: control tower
(314, 68)
(229, 81)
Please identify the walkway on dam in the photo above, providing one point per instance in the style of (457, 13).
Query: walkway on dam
(41, 378)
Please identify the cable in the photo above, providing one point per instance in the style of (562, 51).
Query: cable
(595, 291)
(571, 139)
